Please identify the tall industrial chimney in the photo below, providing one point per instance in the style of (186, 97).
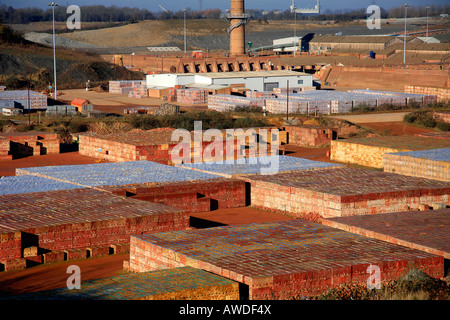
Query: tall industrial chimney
(237, 18)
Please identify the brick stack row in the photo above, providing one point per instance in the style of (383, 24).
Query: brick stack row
(138, 91)
(192, 96)
(278, 260)
(51, 223)
(190, 196)
(5, 149)
(442, 94)
(223, 102)
(344, 192)
(124, 87)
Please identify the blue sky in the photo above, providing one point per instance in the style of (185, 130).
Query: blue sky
(176, 5)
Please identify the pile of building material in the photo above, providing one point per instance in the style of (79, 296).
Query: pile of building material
(224, 102)
(22, 144)
(442, 94)
(166, 109)
(29, 184)
(280, 260)
(369, 152)
(192, 96)
(5, 149)
(125, 86)
(139, 91)
(74, 224)
(259, 94)
(430, 164)
(62, 110)
(36, 100)
(184, 283)
(344, 192)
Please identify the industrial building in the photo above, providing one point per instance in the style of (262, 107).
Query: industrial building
(255, 81)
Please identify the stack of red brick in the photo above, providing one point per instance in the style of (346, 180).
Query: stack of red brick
(68, 224)
(29, 144)
(310, 136)
(189, 196)
(5, 149)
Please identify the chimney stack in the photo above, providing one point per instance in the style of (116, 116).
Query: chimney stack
(237, 18)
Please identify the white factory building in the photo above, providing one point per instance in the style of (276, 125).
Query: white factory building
(252, 80)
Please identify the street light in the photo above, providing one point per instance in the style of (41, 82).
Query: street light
(184, 12)
(427, 19)
(53, 5)
(404, 40)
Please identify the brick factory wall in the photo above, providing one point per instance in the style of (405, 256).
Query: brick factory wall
(190, 196)
(47, 222)
(310, 136)
(343, 192)
(420, 166)
(279, 263)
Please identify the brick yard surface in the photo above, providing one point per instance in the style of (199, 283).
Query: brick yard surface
(423, 230)
(76, 219)
(184, 283)
(438, 135)
(258, 165)
(370, 151)
(111, 174)
(430, 164)
(344, 191)
(280, 260)
(28, 184)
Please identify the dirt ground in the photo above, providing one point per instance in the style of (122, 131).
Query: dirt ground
(395, 128)
(8, 167)
(54, 276)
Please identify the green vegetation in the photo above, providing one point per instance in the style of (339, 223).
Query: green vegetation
(416, 285)
(425, 119)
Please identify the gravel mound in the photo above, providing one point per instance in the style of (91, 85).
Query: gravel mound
(47, 39)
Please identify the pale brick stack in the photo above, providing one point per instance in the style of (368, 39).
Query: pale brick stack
(224, 102)
(442, 94)
(430, 164)
(124, 87)
(192, 96)
(5, 149)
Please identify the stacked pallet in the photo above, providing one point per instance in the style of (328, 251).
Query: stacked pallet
(5, 149)
(278, 91)
(192, 96)
(61, 110)
(224, 102)
(139, 91)
(124, 87)
(166, 109)
(430, 164)
(260, 94)
(296, 105)
(32, 143)
(28, 184)
(442, 116)
(344, 192)
(37, 100)
(442, 94)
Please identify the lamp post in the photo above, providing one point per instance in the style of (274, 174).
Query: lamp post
(404, 39)
(53, 5)
(427, 19)
(184, 12)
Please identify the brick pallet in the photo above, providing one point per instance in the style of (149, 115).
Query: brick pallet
(344, 192)
(175, 284)
(370, 151)
(192, 96)
(430, 229)
(78, 220)
(125, 87)
(280, 260)
(309, 136)
(442, 94)
(224, 102)
(37, 100)
(29, 143)
(5, 149)
(430, 164)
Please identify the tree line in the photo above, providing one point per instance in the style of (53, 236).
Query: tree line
(100, 13)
